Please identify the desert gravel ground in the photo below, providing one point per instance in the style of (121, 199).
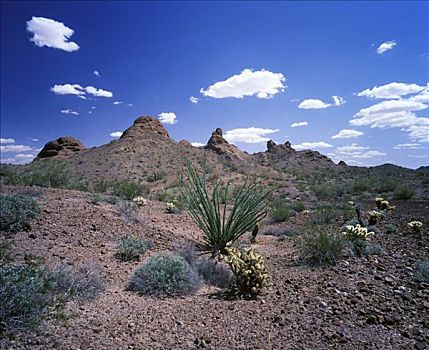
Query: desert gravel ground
(372, 302)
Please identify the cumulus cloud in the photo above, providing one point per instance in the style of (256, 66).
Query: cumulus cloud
(23, 156)
(98, 92)
(419, 132)
(408, 146)
(391, 90)
(347, 134)
(50, 33)
(249, 135)
(116, 134)
(69, 111)
(422, 97)
(311, 145)
(80, 91)
(118, 102)
(313, 103)
(297, 124)
(357, 152)
(96, 73)
(5, 141)
(194, 99)
(32, 139)
(167, 118)
(15, 148)
(129, 104)
(386, 46)
(262, 83)
(197, 144)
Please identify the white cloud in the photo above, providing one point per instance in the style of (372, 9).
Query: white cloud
(310, 145)
(68, 89)
(69, 111)
(419, 132)
(4, 141)
(313, 103)
(408, 146)
(15, 148)
(167, 118)
(89, 112)
(96, 73)
(338, 100)
(356, 151)
(24, 156)
(262, 83)
(50, 33)
(118, 102)
(248, 135)
(116, 134)
(389, 114)
(129, 104)
(32, 139)
(194, 99)
(294, 125)
(347, 134)
(98, 92)
(76, 89)
(197, 144)
(386, 46)
(93, 107)
(418, 156)
(391, 90)
(422, 97)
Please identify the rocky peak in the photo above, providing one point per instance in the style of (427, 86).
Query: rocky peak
(144, 125)
(218, 144)
(272, 147)
(62, 147)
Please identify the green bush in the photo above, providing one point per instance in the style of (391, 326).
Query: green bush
(130, 249)
(222, 227)
(213, 272)
(127, 189)
(322, 249)
(16, 212)
(30, 293)
(128, 210)
(404, 192)
(280, 212)
(165, 275)
(5, 251)
(422, 271)
(47, 174)
(297, 206)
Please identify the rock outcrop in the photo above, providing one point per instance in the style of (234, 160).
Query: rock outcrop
(272, 147)
(63, 147)
(185, 143)
(218, 144)
(142, 125)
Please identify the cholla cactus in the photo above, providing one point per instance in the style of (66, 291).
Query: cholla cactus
(357, 233)
(351, 203)
(373, 215)
(170, 208)
(383, 204)
(416, 226)
(140, 201)
(251, 277)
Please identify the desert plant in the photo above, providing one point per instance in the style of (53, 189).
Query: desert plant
(95, 198)
(415, 226)
(16, 212)
(127, 189)
(82, 283)
(322, 249)
(131, 248)
(140, 201)
(127, 209)
(390, 228)
(373, 217)
(383, 204)
(403, 192)
(5, 251)
(422, 271)
(280, 212)
(165, 275)
(213, 272)
(358, 237)
(251, 277)
(171, 208)
(220, 227)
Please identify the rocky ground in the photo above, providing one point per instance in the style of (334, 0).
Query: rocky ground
(372, 302)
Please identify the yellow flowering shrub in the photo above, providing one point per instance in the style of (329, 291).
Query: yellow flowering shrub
(140, 201)
(416, 226)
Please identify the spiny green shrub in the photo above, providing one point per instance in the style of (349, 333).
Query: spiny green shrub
(404, 192)
(322, 249)
(127, 189)
(16, 212)
(422, 271)
(5, 251)
(251, 276)
(130, 249)
(358, 238)
(165, 275)
(219, 225)
(213, 272)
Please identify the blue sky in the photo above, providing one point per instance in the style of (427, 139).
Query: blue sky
(353, 74)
